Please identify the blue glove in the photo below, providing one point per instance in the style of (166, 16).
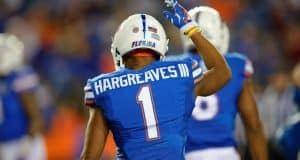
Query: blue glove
(180, 18)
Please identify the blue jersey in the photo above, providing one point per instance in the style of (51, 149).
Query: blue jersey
(289, 138)
(13, 119)
(297, 97)
(289, 135)
(147, 110)
(213, 118)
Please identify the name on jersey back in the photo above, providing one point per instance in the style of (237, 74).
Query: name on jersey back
(130, 79)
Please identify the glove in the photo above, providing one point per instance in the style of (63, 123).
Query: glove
(180, 18)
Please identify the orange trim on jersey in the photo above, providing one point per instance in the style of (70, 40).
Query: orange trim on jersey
(247, 74)
(142, 54)
(195, 65)
(198, 79)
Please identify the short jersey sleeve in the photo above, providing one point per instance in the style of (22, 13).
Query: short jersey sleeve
(25, 80)
(197, 71)
(89, 96)
(240, 65)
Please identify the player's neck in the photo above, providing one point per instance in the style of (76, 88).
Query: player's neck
(137, 63)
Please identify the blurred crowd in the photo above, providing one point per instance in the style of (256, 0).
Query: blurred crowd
(68, 41)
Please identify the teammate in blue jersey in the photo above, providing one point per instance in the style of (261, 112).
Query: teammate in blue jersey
(289, 135)
(147, 102)
(211, 127)
(20, 119)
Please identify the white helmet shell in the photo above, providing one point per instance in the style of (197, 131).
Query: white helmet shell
(212, 27)
(139, 31)
(11, 53)
(224, 39)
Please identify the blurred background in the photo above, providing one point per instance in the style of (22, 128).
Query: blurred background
(68, 41)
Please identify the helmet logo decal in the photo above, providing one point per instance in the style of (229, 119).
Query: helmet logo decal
(155, 36)
(152, 29)
(135, 29)
(154, 33)
(144, 24)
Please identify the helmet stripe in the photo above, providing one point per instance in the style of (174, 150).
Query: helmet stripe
(144, 24)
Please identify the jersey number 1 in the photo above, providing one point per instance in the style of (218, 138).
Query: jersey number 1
(146, 103)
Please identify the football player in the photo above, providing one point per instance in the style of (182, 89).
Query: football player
(20, 118)
(147, 102)
(288, 136)
(211, 127)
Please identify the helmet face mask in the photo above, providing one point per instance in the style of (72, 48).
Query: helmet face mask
(212, 27)
(11, 53)
(139, 31)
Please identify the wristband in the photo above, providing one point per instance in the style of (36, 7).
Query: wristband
(190, 28)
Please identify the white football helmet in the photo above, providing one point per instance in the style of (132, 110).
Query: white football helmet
(11, 53)
(139, 31)
(212, 26)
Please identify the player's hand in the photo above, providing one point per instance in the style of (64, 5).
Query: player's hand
(180, 18)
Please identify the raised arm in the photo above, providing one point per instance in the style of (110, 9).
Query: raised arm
(218, 73)
(95, 135)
